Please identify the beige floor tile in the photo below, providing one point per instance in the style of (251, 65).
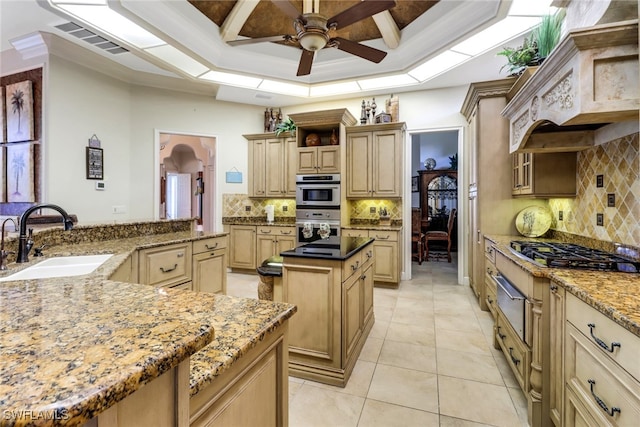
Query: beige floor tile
(294, 386)
(492, 403)
(381, 414)
(379, 329)
(359, 382)
(520, 402)
(466, 322)
(409, 356)
(412, 316)
(473, 342)
(315, 406)
(371, 349)
(412, 334)
(383, 313)
(384, 300)
(405, 387)
(457, 422)
(505, 370)
(470, 366)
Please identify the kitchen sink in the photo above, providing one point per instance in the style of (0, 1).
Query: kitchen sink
(60, 267)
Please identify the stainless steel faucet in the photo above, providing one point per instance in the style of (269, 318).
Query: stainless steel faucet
(23, 247)
(3, 253)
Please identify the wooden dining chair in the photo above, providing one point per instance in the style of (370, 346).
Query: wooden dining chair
(440, 236)
(417, 236)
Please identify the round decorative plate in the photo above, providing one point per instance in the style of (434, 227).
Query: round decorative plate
(533, 221)
(429, 163)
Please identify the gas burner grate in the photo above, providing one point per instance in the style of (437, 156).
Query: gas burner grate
(567, 255)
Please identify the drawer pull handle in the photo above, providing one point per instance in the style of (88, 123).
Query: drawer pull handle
(285, 232)
(600, 342)
(513, 359)
(167, 270)
(369, 254)
(600, 402)
(265, 231)
(553, 288)
(181, 254)
(210, 247)
(489, 300)
(383, 238)
(354, 267)
(502, 337)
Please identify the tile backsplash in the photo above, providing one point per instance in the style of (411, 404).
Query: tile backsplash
(235, 205)
(619, 164)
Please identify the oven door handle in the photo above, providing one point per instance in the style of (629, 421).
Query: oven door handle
(501, 281)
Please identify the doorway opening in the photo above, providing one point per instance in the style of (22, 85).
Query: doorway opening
(435, 188)
(185, 177)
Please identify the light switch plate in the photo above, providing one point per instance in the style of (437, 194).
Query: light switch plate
(599, 219)
(560, 215)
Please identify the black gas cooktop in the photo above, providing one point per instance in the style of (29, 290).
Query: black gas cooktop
(567, 255)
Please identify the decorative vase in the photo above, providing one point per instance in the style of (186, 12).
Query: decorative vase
(312, 140)
(333, 140)
(429, 164)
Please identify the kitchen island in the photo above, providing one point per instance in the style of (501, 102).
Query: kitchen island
(88, 349)
(331, 283)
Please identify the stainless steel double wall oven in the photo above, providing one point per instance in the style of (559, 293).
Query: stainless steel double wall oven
(317, 203)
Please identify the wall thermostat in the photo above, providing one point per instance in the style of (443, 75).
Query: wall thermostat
(100, 185)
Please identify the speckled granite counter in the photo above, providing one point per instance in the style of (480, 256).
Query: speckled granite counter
(616, 295)
(77, 345)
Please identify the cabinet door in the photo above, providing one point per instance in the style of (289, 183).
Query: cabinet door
(358, 164)
(257, 162)
(352, 322)
(328, 159)
(210, 272)
(265, 246)
(284, 242)
(307, 162)
(367, 294)
(290, 166)
(386, 264)
(243, 247)
(386, 162)
(556, 349)
(274, 171)
(165, 265)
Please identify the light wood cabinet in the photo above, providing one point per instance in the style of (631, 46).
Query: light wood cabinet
(517, 353)
(210, 265)
(127, 271)
(386, 250)
(554, 376)
(242, 246)
(165, 265)
(601, 369)
(272, 241)
(272, 163)
(544, 174)
(490, 272)
(322, 159)
(335, 314)
(374, 161)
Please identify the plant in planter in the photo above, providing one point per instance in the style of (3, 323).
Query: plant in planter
(286, 126)
(537, 47)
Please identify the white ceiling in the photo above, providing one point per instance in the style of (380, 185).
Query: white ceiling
(443, 25)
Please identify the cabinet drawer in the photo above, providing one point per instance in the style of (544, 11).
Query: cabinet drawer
(489, 251)
(491, 300)
(276, 231)
(166, 266)
(211, 244)
(355, 233)
(351, 265)
(390, 236)
(605, 330)
(517, 354)
(608, 392)
(185, 285)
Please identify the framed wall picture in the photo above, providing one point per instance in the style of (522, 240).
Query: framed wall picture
(3, 177)
(19, 102)
(95, 163)
(2, 115)
(414, 184)
(20, 173)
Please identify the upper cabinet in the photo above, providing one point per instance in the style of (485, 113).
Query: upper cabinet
(272, 165)
(588, 81)
(544, 174)
(320, 140)
(374, 161)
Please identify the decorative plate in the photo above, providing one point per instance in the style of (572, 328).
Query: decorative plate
(429, 164)
(533, 221)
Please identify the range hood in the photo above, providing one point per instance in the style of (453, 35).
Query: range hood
(590, 80)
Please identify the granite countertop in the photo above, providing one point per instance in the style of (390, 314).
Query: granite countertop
(67, 327)
(614, 294)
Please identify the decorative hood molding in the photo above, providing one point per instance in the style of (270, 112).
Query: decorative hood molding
(590, 80)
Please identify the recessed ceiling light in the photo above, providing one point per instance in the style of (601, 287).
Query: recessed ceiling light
(437, 65)
(496, 34)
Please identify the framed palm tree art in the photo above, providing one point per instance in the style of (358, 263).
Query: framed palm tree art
(20, 173)
(2, 126)
(19, 102)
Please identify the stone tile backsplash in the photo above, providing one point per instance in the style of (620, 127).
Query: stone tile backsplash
(619, 164)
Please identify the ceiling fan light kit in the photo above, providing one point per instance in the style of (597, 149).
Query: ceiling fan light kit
(312, 35)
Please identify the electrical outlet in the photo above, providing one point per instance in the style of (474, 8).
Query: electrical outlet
(560, 215)
(285, 208)
(247, 208)
(119, 209)
(611, 200)
(372, 210)
(599, 219)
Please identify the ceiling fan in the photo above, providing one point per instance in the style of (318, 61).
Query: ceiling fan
(313, 31)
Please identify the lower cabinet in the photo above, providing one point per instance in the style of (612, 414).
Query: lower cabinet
(165, 265)
(386, 248)
(242, 247)
(249, 245)
(554, 375)
(517, 353)
(210, 265)
(272, 240)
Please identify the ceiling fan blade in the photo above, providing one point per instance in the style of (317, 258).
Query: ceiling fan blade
(354, 48)
(287, 7)
(258, 40)
(306, 60)
(362, 10)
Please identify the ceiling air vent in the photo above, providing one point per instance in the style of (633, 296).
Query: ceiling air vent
(91, 37)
